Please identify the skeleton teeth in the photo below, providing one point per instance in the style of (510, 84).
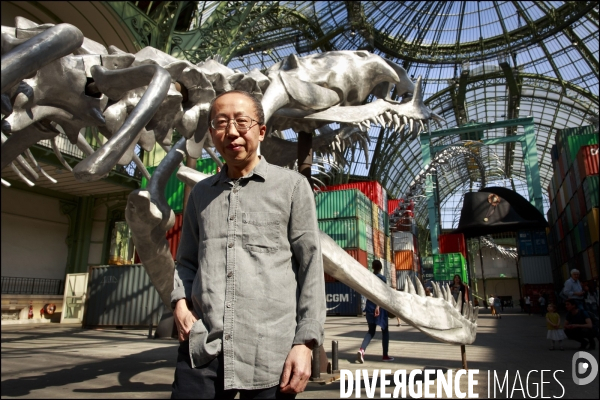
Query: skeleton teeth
(396, 119)
(404, 119)
(458, 304)
(422, 126)
(411, 288)
(420, 290)
(5, 183)
(411, 123)
(380, 120)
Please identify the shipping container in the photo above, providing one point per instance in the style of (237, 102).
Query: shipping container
(403, 241)
(371, 189)
(402, 276)
(445, 266)
(388, 249)
(535, 270)
(392, 205)
(378, 243)
(174, 235)
(359, 255)
(586, 231)
(174, 190)
(586, 274)
(343, 204)
(369, 230)
(587, 162)
(452, 243)
(592, 220)
(574, 143)
(329, 278)
(347, 232)
(208, 166)
(404, 260)
(525, 243)
(540, 243)
(121, 295)
(590, 191)
(342, 300)
(592, 259)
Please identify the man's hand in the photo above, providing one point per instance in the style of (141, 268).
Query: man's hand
(377, 311)
(184, 319)
(296, 370)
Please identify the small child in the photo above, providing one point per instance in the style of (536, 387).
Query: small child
(553, 324)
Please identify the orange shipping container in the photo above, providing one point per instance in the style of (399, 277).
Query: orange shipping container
(378, 243)
(404, 260)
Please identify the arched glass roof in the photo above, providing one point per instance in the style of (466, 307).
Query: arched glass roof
(518, 58)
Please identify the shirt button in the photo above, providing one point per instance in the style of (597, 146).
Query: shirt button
(230, 245)
(235, 190)
(229, 274)
(231, 218)
(227, 336)
(228, 305)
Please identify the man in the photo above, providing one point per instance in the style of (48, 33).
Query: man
(579, 326)
(249, 294)
(572, 289)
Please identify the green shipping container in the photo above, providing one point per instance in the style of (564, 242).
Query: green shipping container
(573, 144)
(174, 191)
(563, 134)
(347, 232)
(445, 266)
(208, 166)
(343, 204)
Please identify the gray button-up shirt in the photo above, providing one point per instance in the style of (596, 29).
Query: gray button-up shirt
(250, 261)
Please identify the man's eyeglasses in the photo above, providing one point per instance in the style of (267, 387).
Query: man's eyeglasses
(242, 124)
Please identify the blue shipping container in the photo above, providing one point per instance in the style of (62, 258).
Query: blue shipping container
(342, 300)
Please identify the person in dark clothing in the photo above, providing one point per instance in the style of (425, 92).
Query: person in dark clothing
(376, 316)
(522, 304)
(579, 326)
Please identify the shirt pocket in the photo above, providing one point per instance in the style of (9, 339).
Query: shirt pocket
(261, 232)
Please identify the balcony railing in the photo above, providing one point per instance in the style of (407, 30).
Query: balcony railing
(15, 285)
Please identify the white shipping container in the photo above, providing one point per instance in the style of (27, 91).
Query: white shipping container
(370, 239)
(402, 241)
(535, 270)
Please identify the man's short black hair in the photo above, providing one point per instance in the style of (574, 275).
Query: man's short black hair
(571, 302)
(258, 108)
(377, 266)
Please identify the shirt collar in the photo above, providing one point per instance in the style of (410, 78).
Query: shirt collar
(260, 171)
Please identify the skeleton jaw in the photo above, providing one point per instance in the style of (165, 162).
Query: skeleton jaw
(388, 114)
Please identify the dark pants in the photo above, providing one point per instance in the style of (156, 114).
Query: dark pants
(207, 381)
(371, 334)
(580, 335)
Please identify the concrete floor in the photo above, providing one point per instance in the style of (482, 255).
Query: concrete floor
(65, 361)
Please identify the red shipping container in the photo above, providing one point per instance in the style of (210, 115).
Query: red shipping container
(329, 278)
(587, 160)
(174, 234)
(371, 189)
(452, 243)
(392, 205)
(359, 255)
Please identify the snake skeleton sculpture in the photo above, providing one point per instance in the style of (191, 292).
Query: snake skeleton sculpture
(53, 76)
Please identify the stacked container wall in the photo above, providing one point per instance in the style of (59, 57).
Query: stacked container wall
(347, 232)
(402, 276)
(587, 161)
(593, 225)
(590, 191)
(535, 270)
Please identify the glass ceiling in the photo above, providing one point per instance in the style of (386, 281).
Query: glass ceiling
(550, 47)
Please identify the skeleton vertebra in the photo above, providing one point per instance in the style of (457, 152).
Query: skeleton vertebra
(152, 93)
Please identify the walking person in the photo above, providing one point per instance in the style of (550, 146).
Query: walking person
(498, 307)
(555, 333)
(249, 295)
(528, 304)
(491, 303)
(376, 316)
